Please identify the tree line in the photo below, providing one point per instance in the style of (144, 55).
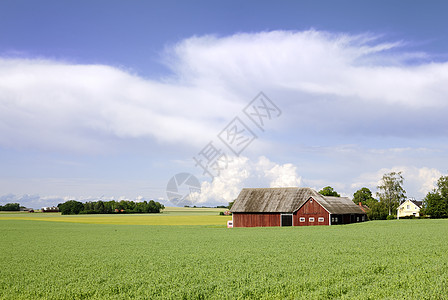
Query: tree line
(391, 194)
(10, 207)
(73, 207)
(435, 204)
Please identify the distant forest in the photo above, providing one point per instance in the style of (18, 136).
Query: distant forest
(10, 207)
(74, 207)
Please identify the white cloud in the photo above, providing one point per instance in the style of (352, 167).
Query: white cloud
(333, 89)
(279, 175)
(417, 181)
(241, 173)
(48, 104)
(428, 179)
(314, 62)
(36, 201)
(32, 201)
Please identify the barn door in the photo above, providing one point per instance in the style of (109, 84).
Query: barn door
(286, 220)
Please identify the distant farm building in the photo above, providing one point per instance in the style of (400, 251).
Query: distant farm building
(22, 208)
(408, 208)
(363, 207)
(292, 207)
(50, 209)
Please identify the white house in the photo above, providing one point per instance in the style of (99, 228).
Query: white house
(409, 207)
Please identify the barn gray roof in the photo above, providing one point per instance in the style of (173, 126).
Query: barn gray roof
(289, 200)
(340, 205)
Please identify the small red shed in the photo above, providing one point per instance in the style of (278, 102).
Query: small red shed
(260, 207)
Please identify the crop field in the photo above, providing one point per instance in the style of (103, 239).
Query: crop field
(170, 216)
(372, 260)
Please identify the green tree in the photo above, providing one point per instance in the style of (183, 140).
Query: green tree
(329, 191)
(391, 191)
(377, 211)
(10, 207)
(435, 206)
(89, 207)
(99, 207)
(363, 195)
(442, 186)
(71, 207)
(436, 202)
(109, 206)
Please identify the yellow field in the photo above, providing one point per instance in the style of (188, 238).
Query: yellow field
(170, 216)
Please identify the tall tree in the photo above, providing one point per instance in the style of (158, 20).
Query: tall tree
(377, 211)
(442, 186)
(436, 202)
(363, 195)
(391, 191)
(329, 191)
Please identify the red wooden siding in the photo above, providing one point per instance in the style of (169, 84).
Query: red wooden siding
(256, 219)
(311, 209)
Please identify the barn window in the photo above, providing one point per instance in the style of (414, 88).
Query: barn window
(311, 219)
(302, 219)
(321, 219)
(357, 219)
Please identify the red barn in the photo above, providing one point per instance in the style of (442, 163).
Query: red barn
(292, 207)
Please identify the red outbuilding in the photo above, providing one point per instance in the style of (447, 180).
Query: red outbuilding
(292, 207)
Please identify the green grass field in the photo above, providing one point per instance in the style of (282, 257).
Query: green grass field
(372, 260)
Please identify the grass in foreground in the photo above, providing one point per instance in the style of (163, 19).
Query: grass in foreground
(382, 259)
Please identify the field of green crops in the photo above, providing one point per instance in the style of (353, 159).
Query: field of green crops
(372, 260)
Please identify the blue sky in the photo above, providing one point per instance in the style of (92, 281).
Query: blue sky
(111, 98)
